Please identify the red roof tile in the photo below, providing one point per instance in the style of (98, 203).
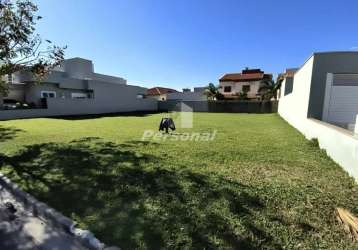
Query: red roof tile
(241, 77)
(246, 75)
(160, 91)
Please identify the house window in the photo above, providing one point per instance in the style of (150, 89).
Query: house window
(48, 94)
(246, 88)
(288, 86)
(227, 89)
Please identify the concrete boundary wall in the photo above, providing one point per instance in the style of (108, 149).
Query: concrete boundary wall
(63, 107)
(340, 144)
(221, 106)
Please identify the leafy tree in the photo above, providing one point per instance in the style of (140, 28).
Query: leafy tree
(20, 47)
(242, 95)
(219, 96)
(213, 93)
(269, 89)
(210, 91)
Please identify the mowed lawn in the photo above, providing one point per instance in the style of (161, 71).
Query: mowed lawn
(258, 184)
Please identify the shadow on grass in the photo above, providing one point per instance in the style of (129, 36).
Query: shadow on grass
(8, 133)
(127, 199)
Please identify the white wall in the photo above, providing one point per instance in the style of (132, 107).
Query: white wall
(78, 67)
(294, 106)
(90, 106)
(62, 107)
(341, 145)
(83, 69)
(108, 98)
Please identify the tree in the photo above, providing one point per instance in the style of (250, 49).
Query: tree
(213, 93)
(268, 90)
(210, 91)
(242, 95)
(20, 47)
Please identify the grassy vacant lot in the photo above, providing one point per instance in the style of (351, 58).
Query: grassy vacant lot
(259, 184)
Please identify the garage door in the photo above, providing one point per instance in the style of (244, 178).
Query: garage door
(341, 100)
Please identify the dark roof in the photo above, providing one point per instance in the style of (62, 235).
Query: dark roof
(246, 75)
(160, 91)
(251, 71)
(289, 73)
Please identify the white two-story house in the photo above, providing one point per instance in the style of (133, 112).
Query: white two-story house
(248, 82)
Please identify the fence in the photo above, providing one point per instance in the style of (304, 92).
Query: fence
(69, 107)
(221, 106)
(63, 107)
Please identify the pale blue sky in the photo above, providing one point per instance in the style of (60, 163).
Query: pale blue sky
(186, 43)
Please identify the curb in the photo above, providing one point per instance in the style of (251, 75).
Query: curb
(40, 209)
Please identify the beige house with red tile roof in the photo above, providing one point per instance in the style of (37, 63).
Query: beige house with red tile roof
(160, 93)
(248, 81)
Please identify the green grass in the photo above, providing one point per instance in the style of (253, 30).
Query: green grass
(259, 184)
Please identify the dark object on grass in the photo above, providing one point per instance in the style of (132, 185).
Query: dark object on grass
(7, 213)
(165, 124)
(10, 207)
